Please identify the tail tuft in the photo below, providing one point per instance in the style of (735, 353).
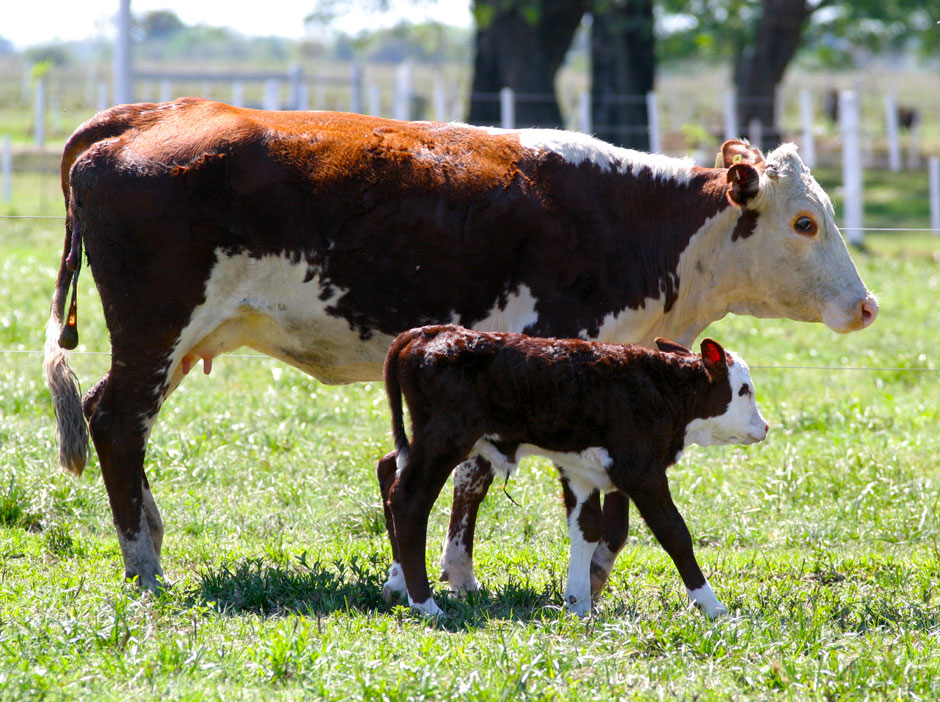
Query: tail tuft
(72, 430)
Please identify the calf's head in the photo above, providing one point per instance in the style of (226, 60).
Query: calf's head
(796, 264)
(729, 402)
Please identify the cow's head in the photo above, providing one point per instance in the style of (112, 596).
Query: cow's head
(796, 263)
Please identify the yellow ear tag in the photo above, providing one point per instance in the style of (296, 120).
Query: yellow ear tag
(719, 160)
(737, 159)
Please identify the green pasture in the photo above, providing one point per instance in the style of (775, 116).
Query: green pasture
(824, 541)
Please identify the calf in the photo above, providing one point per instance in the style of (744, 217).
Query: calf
(612, 418)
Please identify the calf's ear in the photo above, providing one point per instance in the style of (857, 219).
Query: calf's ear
(713, 356)
(671, 346)
(738, 151)
(743, 183)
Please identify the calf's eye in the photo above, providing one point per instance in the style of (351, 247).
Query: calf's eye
(806, 225)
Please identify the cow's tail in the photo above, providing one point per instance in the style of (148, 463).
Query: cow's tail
(63, 384)
(393, 390)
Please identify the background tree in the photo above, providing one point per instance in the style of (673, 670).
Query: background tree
(623, 68)
(521, 44)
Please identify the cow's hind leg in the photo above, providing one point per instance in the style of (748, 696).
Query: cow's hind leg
(121, 410)
(472, 480)
(395, 585)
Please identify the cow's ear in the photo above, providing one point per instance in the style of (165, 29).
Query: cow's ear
(736, 151)
(743, 183)
(713, 356)
(671, 347)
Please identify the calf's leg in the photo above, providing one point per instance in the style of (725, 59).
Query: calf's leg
(472, 480)
(395, 585)
(658, 510)
(614, 530)
(582, 503)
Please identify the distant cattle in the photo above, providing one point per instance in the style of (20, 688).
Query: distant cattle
(317, 237)
(611, 417)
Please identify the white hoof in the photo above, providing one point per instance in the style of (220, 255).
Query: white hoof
(704, 599)
(428, 608)
(395, 586)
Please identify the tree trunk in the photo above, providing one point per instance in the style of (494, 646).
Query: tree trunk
(622, 71)
(763, 63)
(521, 46)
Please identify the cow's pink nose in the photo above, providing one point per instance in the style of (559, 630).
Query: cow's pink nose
(869, 311)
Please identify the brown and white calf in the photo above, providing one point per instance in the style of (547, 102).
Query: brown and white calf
(317, 237)
(611, 417)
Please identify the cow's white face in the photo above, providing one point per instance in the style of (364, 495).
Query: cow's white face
(797, 264)
(741, 422)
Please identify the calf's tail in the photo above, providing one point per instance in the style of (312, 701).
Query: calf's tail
(393, 391)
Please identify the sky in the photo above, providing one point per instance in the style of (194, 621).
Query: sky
(28, 22)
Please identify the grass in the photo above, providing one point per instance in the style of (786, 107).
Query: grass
(824, 541)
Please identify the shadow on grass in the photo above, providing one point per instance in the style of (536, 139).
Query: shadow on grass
(253, 586)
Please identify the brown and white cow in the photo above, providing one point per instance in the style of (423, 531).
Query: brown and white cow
(317, 237)
(611, 417)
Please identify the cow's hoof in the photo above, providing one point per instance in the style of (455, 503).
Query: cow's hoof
(154, 583)
(428, 608)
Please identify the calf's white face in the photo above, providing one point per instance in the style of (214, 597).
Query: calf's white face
(741, 422)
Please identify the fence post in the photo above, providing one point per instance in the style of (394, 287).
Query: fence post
(39, 114)
(755, 132)
(238, 93)
(402, 106)
(165, 91)
(296, 78)
(102, 95)
(355, 86)
(652, 118)
(507, 109)
(6, 168)
(851, 165)
(731, 115)
(584, 112)
(933, 168)
(374, 96)
(891, 124)
(272, 89)
(440, 98)
(303, 97)
(123, 71)
(808, 144)
(913, 148)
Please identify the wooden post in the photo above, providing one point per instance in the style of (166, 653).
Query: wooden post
(272, 90)
(374, 95)
(238, 93)
(933, 169)
(102, 95)
(755, 132)
(39, 113)
(913, 147)
(440, 98)
(166, 93)
(6, 168)
(808, 145)
(355, 86)
(652, 118)
(731, 115)
(507, 109)
(123, 68)
(296, 78)
(584, 112)
(891, 126)
(851, 166)
(402, 104)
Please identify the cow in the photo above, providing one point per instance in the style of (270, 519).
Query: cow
(318, 237)
(611, 417)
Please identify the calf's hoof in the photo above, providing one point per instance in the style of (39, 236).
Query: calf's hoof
(460, 584)
(395, 586)
(428, 608)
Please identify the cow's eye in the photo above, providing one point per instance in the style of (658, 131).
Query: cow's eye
(745, 390)
(805, 225)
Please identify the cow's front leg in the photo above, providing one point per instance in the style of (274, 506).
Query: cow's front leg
(472, 479)
(656, 505)
(582, 503)
(615, 526)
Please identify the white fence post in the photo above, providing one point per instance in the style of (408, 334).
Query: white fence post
(39, 114)
(808, 145)
(165, 91)
(303, 97)
(584, 112)
(755, 132)
(891, 125)
(440, 98)
(238, 93)
(851, 165)
(402, 107)
(296, 78)
(731, 115)
(507, 108)
(652, 118)
(272, 89)
(355, 84)
(913, 147)
(933, 168)
(374, 95)
(6, 168)
(123, 70)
